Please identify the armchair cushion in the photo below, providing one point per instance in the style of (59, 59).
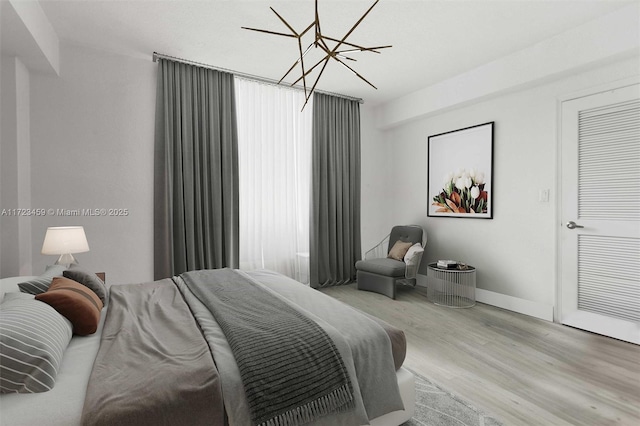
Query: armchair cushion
(405, 233)
(384, 266)
(399, 249)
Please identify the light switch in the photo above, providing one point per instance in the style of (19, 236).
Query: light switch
(543, 196)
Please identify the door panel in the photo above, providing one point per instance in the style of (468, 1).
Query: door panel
(600, 256)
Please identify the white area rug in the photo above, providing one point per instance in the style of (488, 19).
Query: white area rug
(436, 406)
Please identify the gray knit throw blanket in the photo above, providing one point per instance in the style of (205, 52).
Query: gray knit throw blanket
(291, 370)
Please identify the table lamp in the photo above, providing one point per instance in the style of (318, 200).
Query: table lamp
(65, 240)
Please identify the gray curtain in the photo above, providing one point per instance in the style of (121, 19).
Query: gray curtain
(335, 191)
(196, 170)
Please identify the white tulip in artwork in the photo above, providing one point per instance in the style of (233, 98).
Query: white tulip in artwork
(475, 192)
(463, 191)
(447, 179)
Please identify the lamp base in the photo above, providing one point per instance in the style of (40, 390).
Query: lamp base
(66, 260)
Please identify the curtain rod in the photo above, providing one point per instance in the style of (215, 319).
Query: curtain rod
(157, 56)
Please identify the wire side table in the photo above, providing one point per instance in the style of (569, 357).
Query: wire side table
(454, 288)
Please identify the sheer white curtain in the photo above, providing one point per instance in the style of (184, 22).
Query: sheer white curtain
(274, 155)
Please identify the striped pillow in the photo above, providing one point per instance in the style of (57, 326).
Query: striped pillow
(33, 337)
(41, 284)
(78, 304)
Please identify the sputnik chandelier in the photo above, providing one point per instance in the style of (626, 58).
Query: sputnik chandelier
(332, 48)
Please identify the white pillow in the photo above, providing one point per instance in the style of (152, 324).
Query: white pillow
(10, 285)
(413, 254)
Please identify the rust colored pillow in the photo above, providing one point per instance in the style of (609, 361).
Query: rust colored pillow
(399, 249)
(77, 303)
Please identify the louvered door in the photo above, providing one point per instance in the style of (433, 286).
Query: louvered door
(600, 202)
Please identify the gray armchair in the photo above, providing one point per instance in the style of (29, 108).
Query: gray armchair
(380, 273)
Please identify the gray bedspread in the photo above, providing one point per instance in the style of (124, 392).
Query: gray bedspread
(153, 365)
(291, 371)
(363, 344)
(368, 341)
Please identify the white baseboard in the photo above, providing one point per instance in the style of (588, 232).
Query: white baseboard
(515, 304)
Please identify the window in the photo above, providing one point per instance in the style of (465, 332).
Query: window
(274, 155)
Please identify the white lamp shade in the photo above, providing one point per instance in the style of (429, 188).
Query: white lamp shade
(65, 240)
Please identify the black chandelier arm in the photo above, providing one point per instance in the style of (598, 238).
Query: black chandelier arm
(323, 44)
(304, 80)
(355, 25)
(290, 69)
(269, 32)
(357, 47)
(311, 69)
(341, 56)
(317, 21)
(300, 59)
(331, 53)
(364, 49)
(306, 29)
(326, 61)
(355, 72)
(285, 22)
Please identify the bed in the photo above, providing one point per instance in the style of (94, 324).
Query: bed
(83, 393)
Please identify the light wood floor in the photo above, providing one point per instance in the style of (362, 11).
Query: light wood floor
(520, 369)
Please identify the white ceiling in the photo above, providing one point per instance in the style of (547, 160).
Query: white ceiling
(432, 40)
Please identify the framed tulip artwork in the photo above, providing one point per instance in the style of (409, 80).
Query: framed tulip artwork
(460, 173)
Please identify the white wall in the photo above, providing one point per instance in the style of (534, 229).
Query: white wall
(9, 262)
(92, 132)
(31, 36)
(23, 133)
(15, 176)
(515, 253)
(29, 44)
(375, 172)
(1, 138)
